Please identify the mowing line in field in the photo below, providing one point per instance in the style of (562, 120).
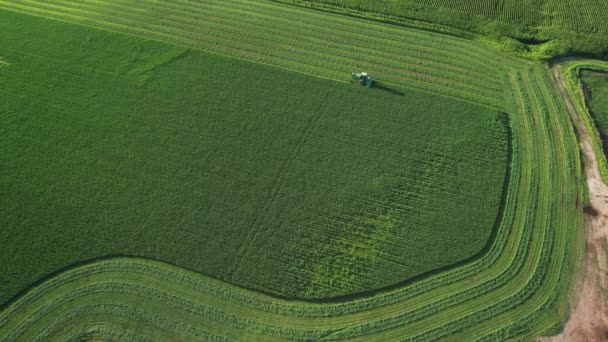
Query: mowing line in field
(288, 54)
(520, 275)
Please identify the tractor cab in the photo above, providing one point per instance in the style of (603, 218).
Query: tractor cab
(362, 78)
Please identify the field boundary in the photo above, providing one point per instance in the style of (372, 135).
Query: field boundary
(588, 318)
(571, 70)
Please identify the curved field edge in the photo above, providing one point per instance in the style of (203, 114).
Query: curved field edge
(571, 70)
(214, 259)
(518, 289)
(445, 52)
(175, 302)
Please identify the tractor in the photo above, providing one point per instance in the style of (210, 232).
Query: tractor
(362, 78)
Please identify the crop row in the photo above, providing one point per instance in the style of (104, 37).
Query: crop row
(396, 58)
(578, 15)
(559, 25)
(554, 265)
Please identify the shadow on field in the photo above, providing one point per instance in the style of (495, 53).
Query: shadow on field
(384, 87)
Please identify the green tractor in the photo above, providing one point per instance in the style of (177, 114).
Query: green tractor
(362, 78)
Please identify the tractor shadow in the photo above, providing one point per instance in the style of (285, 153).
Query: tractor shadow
(384, 87)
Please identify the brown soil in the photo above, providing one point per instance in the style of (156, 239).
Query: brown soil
(589, 319)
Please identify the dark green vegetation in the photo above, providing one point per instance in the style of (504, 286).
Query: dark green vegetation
(573, 71)
(518, 288)
(596, 86)
(115, 145)
(537, 29)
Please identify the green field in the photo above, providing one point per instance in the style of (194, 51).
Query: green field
(313, 189)
(597, 98)
(324, 188)
(578, 15)
(537, 29)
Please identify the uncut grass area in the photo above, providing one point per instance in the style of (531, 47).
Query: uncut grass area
(596, 93)
(265, 178)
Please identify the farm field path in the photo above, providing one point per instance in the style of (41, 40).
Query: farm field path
(589, 320)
